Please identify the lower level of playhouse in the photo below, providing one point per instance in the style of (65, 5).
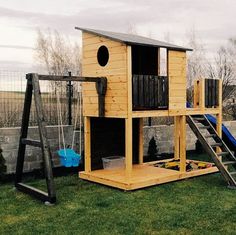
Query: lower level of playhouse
(142, 175)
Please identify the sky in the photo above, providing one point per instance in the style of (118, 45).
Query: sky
(172, 20)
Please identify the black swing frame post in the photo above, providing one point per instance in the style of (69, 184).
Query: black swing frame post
(33, 88)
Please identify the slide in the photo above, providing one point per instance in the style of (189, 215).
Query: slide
(227, 137)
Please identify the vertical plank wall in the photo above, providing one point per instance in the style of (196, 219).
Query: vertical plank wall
(177, 80)
(115, 71)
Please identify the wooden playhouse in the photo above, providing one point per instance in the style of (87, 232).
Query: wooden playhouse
(136, 89)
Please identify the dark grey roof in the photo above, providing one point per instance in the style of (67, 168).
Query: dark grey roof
(131, 39)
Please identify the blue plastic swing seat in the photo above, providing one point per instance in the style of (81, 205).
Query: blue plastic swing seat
(69, 158)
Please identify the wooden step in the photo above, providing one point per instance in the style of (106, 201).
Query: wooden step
(204, 127)
(222, 154)
(199, 118)
(216, 145)
(210, 136)
(229, 163)
(233, 173)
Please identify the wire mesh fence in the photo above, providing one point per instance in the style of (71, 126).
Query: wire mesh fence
(55, 96)
(12, 92)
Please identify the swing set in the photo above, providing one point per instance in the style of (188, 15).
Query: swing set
(68, 155)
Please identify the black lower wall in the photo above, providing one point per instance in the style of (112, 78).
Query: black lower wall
(108, 139)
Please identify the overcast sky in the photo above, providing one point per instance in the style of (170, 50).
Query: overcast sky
(213, 20)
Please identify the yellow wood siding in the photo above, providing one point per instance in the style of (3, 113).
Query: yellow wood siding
(177, 79)
(115, 71)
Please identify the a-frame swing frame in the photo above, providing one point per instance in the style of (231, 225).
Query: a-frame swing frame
(33, 88)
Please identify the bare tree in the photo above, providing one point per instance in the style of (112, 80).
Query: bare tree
(132, 29)
(196, 59)
(57, 54)
(223, 68)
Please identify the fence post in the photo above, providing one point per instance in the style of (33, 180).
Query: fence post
(149, 121)
(70, 94)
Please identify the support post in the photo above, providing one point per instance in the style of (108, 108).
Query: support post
(24, 129)
(196, 94)
(202, 94)
(46, 152)
(87, 144)
(182, 143)
(219, 115)
(128, 147)
(177, 137)
(128, 120)
(140, 140)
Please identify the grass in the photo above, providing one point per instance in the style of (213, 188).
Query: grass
(201, 205)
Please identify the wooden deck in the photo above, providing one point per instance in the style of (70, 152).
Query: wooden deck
(143, 175)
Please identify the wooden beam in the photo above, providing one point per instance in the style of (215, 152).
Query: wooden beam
(219, 115)
(182, 143)
(87, 144)
(202, 94)
(150, 113)
(177, 137)
(197, 111)
(129, 82)
(128, 120)
(196, 94)
(140, 140)
(128, 147)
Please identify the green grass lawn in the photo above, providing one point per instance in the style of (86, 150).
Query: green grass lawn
(201, 205)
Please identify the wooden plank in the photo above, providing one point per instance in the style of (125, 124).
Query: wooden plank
(195, 111)
(142, 176)
(176, 54)
(177, 99)
(129, 80)
(150, 113)
(110, 65)
(110, 93)
(110, 114)
(99, 39)
(128, 121)
(128, 147)
(91, 57)
(177, 111)
(108, 100)
(196, 94)
(202, 94)
(87, 144)
(108, 107)
(46, 151)
(182, 143)
(110, 86)
(108, 43)
(177, 60)
(92, 71)
(178, 92)
(176, 137)
(86, 35)
(140, 140)
(219, 115)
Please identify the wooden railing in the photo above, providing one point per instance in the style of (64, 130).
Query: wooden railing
(207, 93)
(149, 92)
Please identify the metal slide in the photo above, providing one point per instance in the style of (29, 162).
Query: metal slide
(225, 161)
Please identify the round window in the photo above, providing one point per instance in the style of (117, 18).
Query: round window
(103, 55)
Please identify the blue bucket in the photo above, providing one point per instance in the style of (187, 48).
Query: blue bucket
(69, 158)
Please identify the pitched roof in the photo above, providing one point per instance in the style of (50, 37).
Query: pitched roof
(131, 39)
